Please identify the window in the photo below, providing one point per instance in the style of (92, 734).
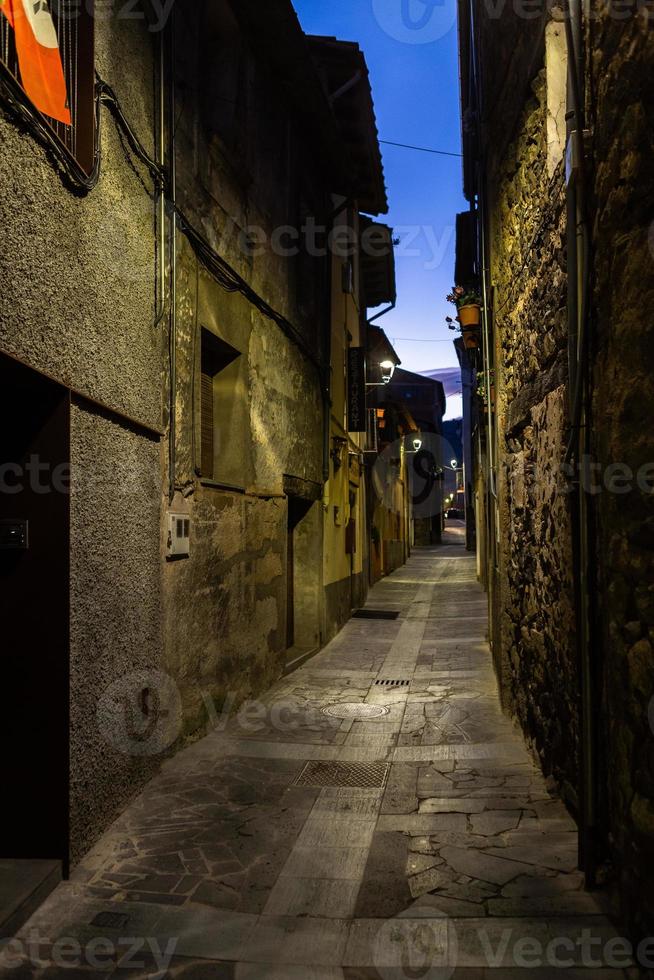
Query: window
(216, 385)
(556, 56)
(48, 50)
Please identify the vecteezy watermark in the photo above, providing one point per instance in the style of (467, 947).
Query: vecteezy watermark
(415, 21)
(41, 476)
(140, 713)
(102, 953)
(284, 716)
(317, 241)
(616, 478)
(133, 10)
(515, 948)
(420, 944)
(427, 21)
(427, 467)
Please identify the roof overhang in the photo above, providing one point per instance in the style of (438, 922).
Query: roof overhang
(346, 79)
(377, 263)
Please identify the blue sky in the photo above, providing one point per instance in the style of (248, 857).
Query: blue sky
(411, 50)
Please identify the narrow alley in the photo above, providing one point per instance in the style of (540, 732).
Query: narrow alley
(374, 815)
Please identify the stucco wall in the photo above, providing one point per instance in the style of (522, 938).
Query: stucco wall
(77, 272)
(77, 301)
(115, 613)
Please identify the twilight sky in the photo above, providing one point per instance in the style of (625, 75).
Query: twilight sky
(410, 47)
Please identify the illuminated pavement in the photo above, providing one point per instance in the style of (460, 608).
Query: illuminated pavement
(429, 846)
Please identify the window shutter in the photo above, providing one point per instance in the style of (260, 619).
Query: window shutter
(207, 426)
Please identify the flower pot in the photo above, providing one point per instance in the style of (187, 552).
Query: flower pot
(471, 338)
(470, 316)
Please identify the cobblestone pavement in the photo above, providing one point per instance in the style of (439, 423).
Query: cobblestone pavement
(421, 842)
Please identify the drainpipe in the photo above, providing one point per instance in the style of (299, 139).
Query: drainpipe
(172, 448)
(161, 160)
(579, 447)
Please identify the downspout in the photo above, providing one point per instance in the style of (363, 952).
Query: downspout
(161, 160)
(326, 386)
(172, 423)
(579, 446)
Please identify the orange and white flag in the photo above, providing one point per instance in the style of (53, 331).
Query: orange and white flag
(39, 58)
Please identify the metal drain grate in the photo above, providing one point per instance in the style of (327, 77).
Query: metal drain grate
(375, 614)
(370, 775)
(382, 682)
(110, 920)
(355, 710)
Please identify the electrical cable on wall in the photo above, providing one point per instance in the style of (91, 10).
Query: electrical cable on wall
(227, 277)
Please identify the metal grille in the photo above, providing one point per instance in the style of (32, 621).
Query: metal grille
(391, 683)
(355, 711)
(110, 920)
(375, 614)
(73, 23)
(371, 775)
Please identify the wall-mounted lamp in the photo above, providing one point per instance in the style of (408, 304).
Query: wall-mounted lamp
(454, 463)
(336, 452)
(387, 370)
(417, 446)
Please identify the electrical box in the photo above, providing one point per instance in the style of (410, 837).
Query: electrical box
(14, 535)
(179, 536)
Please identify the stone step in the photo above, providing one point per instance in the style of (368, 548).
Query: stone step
(24, 886)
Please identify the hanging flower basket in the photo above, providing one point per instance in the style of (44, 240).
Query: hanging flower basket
(470, 315)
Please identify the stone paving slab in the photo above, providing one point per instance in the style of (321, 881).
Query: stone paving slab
(228, 870)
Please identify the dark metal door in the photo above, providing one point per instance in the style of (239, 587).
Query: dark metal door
(34, 611)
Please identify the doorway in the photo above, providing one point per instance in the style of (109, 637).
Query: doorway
(303, 569)
(34, 607)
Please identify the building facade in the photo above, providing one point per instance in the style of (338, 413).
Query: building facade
(174, 325)
(562, 200)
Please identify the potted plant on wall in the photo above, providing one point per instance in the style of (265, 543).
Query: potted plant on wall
(481, 386)
(468, 303)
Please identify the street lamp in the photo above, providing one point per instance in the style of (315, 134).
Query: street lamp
(454, 463)
(387, 370)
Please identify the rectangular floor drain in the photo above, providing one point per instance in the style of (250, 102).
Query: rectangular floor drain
(110, 920)
(382, 682)
(375, 614)
(371, 775)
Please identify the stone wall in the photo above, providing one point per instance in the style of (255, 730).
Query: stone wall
(225, 607)
(534, 650)
(622, 122)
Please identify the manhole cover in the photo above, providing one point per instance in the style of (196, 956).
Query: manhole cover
(371, 775)
(356, 711)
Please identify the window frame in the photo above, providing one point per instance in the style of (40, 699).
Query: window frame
(78, 141)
